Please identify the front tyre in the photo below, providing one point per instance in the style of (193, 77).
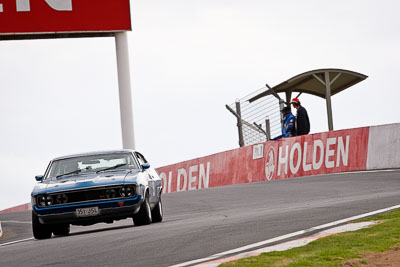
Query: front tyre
(143, 217)
(157, 212)
(40, 231)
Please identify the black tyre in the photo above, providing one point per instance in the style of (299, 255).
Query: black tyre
(157, 212)
(40, 231)
(61, 229)
(143, 217)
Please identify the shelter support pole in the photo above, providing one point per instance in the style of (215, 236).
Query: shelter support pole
(328, 100)
(239, 124)
(125, 93)
(288, 98)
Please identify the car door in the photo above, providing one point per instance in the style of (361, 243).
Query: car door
(153, 188)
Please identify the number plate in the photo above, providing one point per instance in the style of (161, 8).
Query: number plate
(84, 212)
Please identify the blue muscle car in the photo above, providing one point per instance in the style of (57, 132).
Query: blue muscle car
(96, 187)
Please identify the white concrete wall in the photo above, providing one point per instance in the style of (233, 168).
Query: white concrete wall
(384, 147)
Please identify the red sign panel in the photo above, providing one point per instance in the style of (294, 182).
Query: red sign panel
(64, 16)
(323, 153)
(330, 152)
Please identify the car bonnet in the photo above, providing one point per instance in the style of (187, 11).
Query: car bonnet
(83, 181)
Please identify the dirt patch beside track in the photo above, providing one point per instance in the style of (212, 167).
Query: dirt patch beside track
(390, 258)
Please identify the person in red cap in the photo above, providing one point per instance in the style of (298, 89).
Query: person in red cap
(303, 122)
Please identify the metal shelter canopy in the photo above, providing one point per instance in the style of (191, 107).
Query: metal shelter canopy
(322, 82)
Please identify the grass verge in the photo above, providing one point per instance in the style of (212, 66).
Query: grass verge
(336, 249)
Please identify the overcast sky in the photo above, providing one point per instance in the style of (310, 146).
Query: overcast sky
(188, 59)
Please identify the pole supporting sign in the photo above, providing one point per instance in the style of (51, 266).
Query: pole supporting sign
(21, 19)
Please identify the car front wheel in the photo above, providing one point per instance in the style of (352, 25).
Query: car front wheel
(157, 212)
(143, 217)
(40, 231)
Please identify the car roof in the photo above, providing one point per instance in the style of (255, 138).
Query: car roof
(94, 153)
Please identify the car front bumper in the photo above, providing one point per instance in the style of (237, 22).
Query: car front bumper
(108, 211)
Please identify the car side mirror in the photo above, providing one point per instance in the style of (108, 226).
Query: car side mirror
(39, 178)
(145, 166)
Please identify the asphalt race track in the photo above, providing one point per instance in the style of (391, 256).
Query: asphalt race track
(201, 223)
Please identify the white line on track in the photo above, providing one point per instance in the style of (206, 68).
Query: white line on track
(16, 222)
(15, 242)
(283, 237)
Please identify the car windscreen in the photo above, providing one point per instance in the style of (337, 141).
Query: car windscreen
(91, 164)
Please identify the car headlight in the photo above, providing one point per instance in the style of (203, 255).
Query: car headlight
(122, 191)
(61, 199)
(41, 201)
(49, 200)
(111, 193)
(127, 191)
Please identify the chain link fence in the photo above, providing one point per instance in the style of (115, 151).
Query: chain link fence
(258, 121)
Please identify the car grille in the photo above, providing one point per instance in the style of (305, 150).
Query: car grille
(87, 195)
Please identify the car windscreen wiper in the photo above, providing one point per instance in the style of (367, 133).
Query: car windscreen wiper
(68, 173)
(112, 168)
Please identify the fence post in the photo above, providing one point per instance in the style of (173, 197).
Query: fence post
(268, 129)
(281, 106)
(239, 124)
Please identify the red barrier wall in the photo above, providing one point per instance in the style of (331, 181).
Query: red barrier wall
(323, 153)
(22, 207)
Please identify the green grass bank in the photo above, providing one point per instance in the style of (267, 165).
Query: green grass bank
(336, 249)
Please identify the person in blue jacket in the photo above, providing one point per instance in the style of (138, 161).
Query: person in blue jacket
(289, 126)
